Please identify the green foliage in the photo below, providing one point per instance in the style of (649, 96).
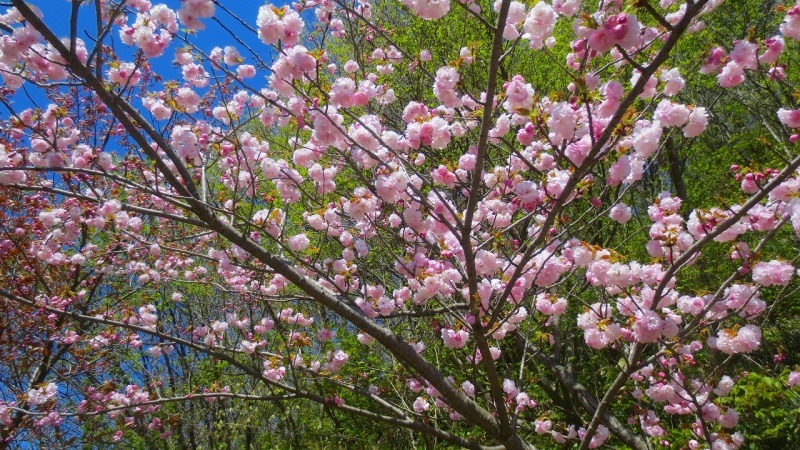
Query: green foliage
(769, 414)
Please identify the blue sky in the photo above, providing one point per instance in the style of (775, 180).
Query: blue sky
(57, 13)
(247, 10)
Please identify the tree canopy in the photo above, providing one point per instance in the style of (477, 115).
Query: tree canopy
(415, 224)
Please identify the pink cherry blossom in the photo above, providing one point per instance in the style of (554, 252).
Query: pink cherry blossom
(671, 114)
(620, 213)
(550, 305)
(674, 83)
(791, 23)
(539, 24)
(743, 340)
(278, 24)
(790, 118)
(519, 95)
(42, 395)
(774, 49)
(794, 378)
(454, 339)
(731, 75)
(299, 242)
(193, 10)
(421, 405)
(698, 120)
(429, 9)
(772, 273)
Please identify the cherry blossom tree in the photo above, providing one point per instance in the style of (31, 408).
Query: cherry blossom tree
(313, 209)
